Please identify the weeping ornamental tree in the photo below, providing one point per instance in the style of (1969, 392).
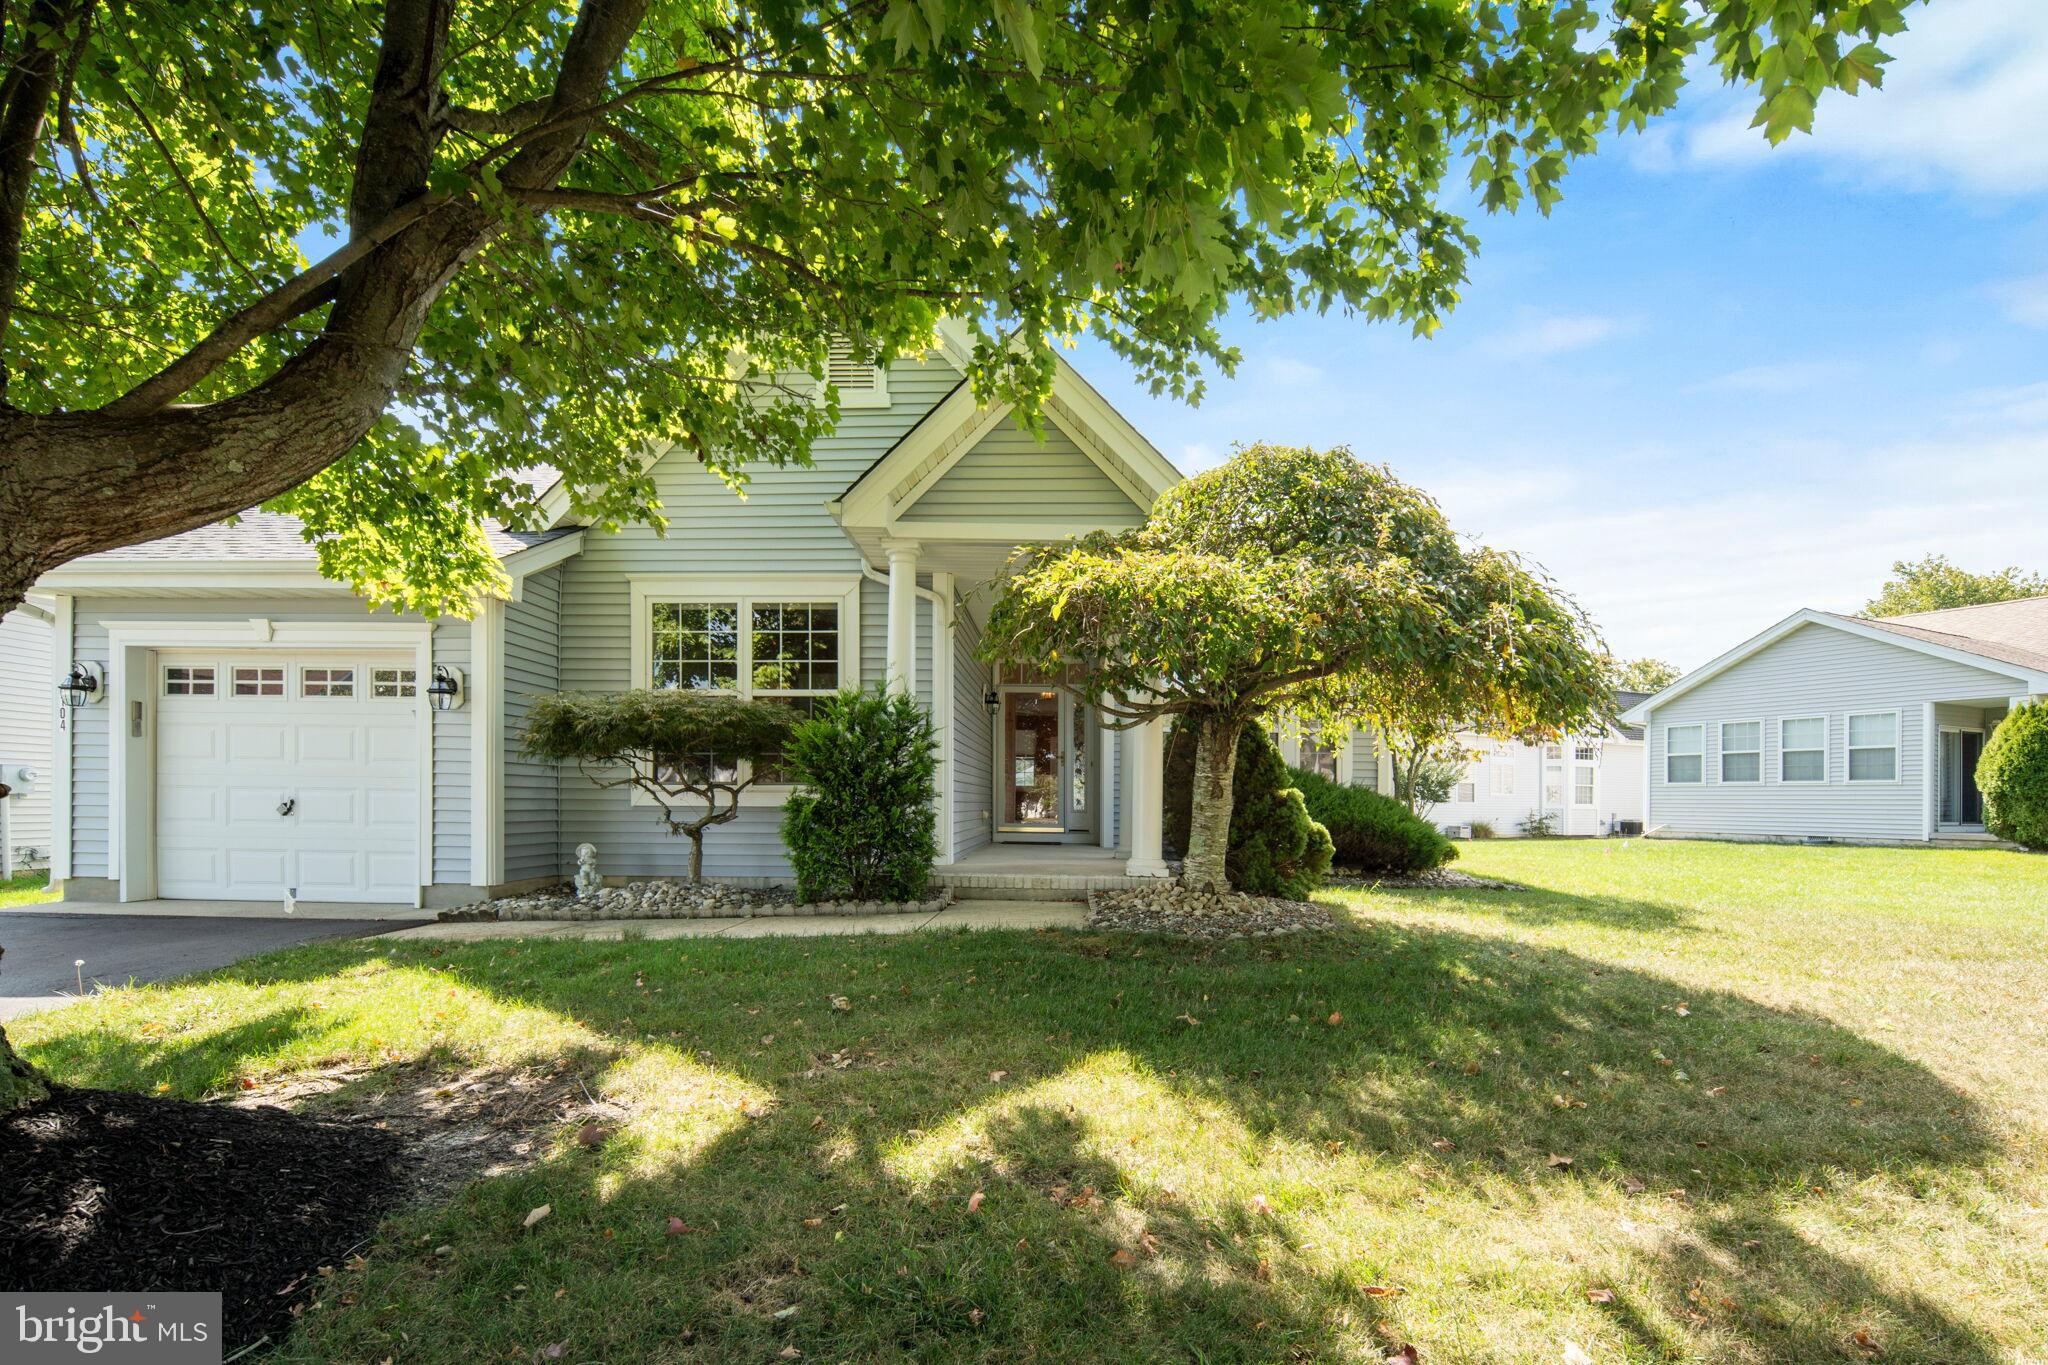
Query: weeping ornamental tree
(672, 745)
(1298, 581)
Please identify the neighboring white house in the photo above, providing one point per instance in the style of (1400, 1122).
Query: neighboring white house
(28, 708)
(1588, 784)
(1828, 727)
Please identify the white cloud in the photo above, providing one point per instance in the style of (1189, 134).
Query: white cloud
(1286, 372)
(1779, 377)
(2024, 300)
(1963, 105)
(1539, 338)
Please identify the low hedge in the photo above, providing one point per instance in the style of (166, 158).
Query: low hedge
(1370, 832)
(2013, 775)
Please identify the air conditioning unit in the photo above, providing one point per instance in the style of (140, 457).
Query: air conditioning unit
(1457, 831)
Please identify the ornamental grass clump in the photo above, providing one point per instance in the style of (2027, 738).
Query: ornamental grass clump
(860, 825)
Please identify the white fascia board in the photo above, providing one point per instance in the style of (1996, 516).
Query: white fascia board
(537, 558)
(217, 575)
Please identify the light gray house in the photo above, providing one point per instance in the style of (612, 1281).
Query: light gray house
(252, 731)
(1829, 727)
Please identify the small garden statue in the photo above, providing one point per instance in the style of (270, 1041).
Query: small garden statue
(588, 879)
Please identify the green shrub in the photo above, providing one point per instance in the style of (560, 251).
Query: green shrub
(860, 824)
(1482, 829)
(1276, 849)
(1370, 832)
(2013, 775)
(1539, 825)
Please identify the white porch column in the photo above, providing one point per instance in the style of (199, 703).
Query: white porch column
(942, 709)
(1102, 774)
(902, 668)
(1148, 752)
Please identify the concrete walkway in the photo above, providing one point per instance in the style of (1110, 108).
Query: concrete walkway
(960, 915)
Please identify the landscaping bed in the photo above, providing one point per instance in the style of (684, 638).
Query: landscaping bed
(1437, 879)
(1172, 908)
(666, 899)
(111, 1191)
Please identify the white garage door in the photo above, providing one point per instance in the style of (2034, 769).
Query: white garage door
(277, 774)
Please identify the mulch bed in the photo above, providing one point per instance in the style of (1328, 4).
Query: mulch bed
(107, 1191)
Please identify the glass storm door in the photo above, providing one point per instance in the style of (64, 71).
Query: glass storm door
(1034, 766)
(1961, 802)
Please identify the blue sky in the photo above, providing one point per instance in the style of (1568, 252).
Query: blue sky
(1721, 381)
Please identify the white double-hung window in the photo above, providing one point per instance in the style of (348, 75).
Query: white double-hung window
(1742, 751)
(1874, 747)
(1685, 754)
(1803, 749)
(792, 640)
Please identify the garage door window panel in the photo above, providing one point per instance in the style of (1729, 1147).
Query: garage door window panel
(257, 681)
(189, 680)
(327, 682)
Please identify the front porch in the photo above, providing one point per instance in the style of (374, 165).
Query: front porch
(1037, 872)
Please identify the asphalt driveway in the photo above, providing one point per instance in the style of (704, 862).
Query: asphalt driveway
(37, 970)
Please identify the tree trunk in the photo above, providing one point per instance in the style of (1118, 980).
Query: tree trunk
(20, 1083)
(697, 853)
(1209, 813)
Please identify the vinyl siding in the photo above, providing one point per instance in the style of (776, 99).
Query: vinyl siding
(28, 715)
(1011, 475)
(90, 768)
(780, 527)
(1618, 789)
(973, 741)
(533, 666)
(1814, 671)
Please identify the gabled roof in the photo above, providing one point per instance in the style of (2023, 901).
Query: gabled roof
(921, 457)
(2014, 632)
(2026, 666)
(260, 549)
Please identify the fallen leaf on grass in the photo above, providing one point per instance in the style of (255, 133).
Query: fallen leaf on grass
(998, 1077)
(1717, 1090)
(537, 1214)
(1335, 1019)
(554, 1350)
(1264, 1274)
(1189, 1020)
(677, 1227)
(1866, 1342)
(1122, 1258)
(248, 1084)
(1471, 1068)
(1575, 1354)
(1559, 1163)
(1405, 1355)
(1259, 1204)
(974, 1201)
(1443, 1144)
(1599, 1296)
(840, 1002)
(1382, 1291)
(592, 1135)
(975, 1315)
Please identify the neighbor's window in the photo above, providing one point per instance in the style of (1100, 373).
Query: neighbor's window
(1684, 753)
(1742, 751)
(1586, 753)
(1582, 785)
(188, 680)
(1503, 776)
(1316, 756)
(1874, 747)
(327, 682)
(394, 682)
(1464, 792)
(259, 680)
(1803, 749)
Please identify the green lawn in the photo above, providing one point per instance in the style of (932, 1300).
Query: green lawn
(1803, 1094)
(26, 888)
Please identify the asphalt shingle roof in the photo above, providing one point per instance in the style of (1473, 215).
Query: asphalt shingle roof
(2013, 632)
(275, 536)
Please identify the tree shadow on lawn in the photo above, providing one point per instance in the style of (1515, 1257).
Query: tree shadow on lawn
(1125, 1106)
(1521, 903)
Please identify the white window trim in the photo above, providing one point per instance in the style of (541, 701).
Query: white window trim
(1699, 781)
(1826, 733)
(1897, 746)
(1721, 754)
(844, 589)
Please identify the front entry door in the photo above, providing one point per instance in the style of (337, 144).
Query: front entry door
(1961, 802)
(1042, 788)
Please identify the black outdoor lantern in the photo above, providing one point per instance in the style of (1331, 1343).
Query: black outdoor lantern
(82, 687)
(990, 700)
(444, 691)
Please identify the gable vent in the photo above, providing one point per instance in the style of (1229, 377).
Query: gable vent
(860, 384)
